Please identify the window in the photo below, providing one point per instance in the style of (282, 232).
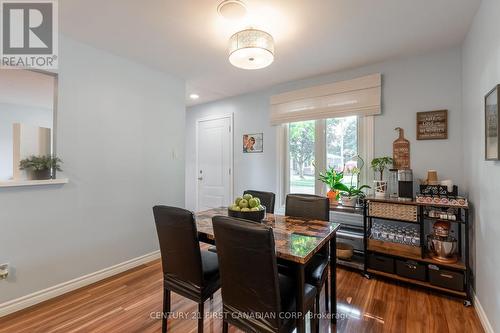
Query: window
(309, 147)
(342, 145)
(301, 142)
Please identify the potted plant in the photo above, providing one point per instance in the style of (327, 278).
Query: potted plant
(350, 194)
(331, 178)
(379, 164)
(41, 167)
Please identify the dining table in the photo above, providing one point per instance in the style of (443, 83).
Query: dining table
(297, 240)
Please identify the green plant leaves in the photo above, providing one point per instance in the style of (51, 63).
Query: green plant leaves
(39, 163)
(331, 177)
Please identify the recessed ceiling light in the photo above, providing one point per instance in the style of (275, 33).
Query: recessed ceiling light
(251, 49)
(232, 9)
(194, 96)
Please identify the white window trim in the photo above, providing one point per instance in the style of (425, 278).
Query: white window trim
(366, 140)
(320, 159)
(282, 173)
(366, 147)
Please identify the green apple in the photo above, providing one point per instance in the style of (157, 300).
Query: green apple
(247, 196)
(236, 208)
(237, 201)
(253, 202)
(254, 209)
(246, 209)
(261, 207)
(257, 200)
(233, 207)
(243, 203)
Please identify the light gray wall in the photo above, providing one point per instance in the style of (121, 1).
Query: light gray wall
(118, 124)
(14, 113)
(481, 72)
(250, 170)
(421, 83)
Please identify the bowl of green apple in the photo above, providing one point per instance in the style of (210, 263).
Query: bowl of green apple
(247, 207)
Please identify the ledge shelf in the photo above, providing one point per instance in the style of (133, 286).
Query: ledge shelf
(22, 183)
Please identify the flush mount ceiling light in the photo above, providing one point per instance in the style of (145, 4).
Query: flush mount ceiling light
(232, 9)
(251, 49)
(194, 96)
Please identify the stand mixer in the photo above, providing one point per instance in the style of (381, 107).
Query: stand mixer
(442, 246)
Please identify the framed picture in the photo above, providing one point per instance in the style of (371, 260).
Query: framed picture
(492, 124)
(253, 143)
(432, 125)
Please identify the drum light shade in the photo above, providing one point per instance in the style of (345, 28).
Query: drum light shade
(251, 49)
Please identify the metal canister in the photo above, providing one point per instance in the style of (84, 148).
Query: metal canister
(393, 183)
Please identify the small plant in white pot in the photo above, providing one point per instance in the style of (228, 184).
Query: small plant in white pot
(379, 164)
(351, 194)
(41, 167)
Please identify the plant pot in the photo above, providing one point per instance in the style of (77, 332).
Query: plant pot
(349, 201)
(380, 188)
(332, 195)
(38, 174)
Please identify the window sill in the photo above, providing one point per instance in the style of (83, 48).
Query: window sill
(22, 183)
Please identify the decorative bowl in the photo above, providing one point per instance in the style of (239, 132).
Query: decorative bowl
(442, 247)
(256, 216)
(344, 251)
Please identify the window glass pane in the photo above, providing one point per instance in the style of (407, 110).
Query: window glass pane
(301, 147)
(342, 146)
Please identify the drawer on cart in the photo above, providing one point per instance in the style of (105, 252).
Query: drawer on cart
(381, 263)
(446, 279)
(411, 269)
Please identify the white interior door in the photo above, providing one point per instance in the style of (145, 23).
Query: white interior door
(214, 162)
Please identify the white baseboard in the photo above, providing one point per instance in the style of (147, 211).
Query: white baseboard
(482, 315)
(62, 288)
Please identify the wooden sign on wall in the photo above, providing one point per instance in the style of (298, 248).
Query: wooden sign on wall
(432, 125)
(401, 151)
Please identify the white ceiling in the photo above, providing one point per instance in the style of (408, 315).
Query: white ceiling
(188, 39)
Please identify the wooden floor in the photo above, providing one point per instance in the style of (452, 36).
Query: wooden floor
(130, 301)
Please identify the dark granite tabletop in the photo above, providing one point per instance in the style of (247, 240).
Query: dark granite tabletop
(296, 239)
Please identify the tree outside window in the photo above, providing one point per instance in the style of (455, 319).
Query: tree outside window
(301, 147)
(340, 141)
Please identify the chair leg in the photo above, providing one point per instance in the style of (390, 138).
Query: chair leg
(201, 313)
(166, 310)
(327, 294)
(225, 326)
(317, 302)
(315, 320)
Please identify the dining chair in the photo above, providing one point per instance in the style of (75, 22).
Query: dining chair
(267, 199)
(213, 248)
(253, 285)
(187, 270)
(317, 208)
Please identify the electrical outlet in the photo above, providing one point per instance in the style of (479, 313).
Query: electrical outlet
(4, 271)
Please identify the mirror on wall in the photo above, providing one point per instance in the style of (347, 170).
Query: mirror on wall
(27, 117)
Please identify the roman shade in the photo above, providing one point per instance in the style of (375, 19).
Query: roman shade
(356, 97)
